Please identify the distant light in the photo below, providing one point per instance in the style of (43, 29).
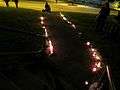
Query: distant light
(46, 34)
(86, 83)
(61, 14)
(45, 30)
(94, 54)
(93, 50)
(42, 18)
(73, 25)
(98, 64)
(50, 47)
(43, 27)
(69, 22)
(42, 22)
(94, 69)
(79, 33)
(64, 18)
(97, 57)
(88, 43)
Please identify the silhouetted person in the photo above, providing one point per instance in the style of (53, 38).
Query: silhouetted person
(16, 3)
(7, 2)
(47, 8)
(102, 17)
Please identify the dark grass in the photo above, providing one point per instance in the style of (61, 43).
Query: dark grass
(17, 26)
(109, 48)
(23, 19)
(16, 69)
(18, 29)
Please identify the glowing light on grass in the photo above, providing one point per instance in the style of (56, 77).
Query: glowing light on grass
(41, 18)
(73, 25)
(79, 33)
(45, 30)
(61, 14)
(88, 43)
(94, 69)
(64, 18)
(43, 27)
(69, 22)
(42, 22)
(86, 83)
(98, 65)
(50, 47)
(46, 34)
(97, 57)
(93, 50)
(94, 54)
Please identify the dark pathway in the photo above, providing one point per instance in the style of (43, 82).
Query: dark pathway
(69, 52)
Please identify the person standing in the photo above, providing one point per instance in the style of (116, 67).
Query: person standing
(102, 17)
(47, 8)
(16, 3)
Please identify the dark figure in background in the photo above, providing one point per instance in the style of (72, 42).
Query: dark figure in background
(47, 8)
(7, 2)
(102, 17)
(16, 3)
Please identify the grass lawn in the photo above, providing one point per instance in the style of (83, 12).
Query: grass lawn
(20, 24)
(14, 23)
(26, 19)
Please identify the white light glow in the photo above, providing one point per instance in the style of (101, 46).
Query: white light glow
(86, 83)
(97, 57)
(43, 27)
(61, 14)
(93, 50)
(94, 69)
(88, 43)
(50, 47)
(46, 34)
(79, 33)
(73, 25)
(69, 22)
(45, 30)
(42, 22)
(42, 18)
(98, 65)
(64, 18)
(94, 54)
